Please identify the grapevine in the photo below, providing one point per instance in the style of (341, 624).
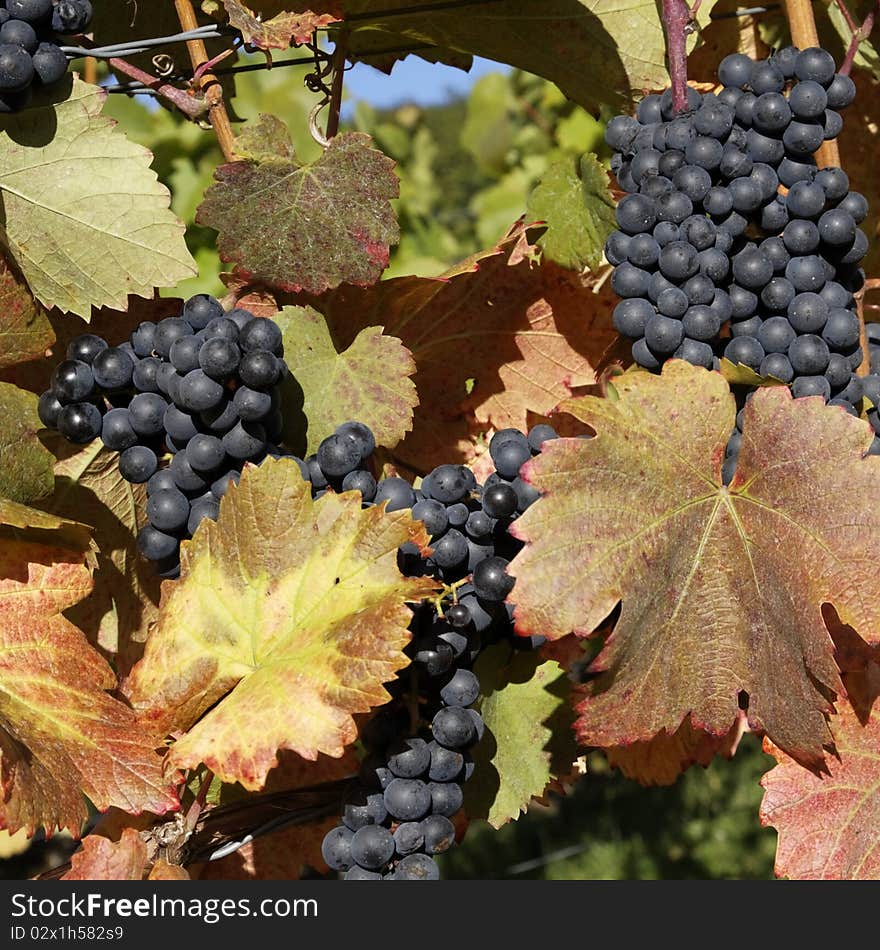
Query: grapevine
(359, 494)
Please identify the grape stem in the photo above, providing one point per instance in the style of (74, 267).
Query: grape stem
(190, 106)
(677, 17)
(860, 34)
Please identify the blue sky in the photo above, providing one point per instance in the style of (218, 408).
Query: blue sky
(412, 80)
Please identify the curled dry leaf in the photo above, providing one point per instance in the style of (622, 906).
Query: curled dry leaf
(100, 859)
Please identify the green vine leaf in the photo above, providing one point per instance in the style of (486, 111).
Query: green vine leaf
(85, 219)
(306, 227)
(369, 381)
(526, 705)
(574, 200)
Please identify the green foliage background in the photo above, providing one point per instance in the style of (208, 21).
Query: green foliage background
(467, 170)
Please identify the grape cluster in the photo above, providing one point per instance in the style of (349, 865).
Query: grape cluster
(397, 816)
(29, 52)
(728, 221)
(199, 391)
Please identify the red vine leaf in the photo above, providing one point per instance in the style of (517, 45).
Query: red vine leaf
(101, 859)
(288, 617)
(266, 29)
(829, 826)
(721, 586)
(307, 227)
(62, 735)
(661, 760)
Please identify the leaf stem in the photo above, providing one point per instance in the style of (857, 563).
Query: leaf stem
(850, 20)
(207, 82)
(676, 18)
(860, 34)
(190, 106)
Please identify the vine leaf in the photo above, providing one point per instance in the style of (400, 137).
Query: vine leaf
(62, 735)
(125, 600)
(574, 200)
(369, 381)
(721, 586)
(528, 741)
(84, 217)
(100, 859)
(497, 340)
(25, 465)
(661, 760)
(267, 29)
(25, 331)
(288, 617)
(163, 871)
(829, 826)
(594, 51)
(265, 140)
(307, 227)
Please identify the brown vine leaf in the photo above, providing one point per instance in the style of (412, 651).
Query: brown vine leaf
(307, 227)
(829, 826)
(721, 587)
(25, 331)
(25, 465)
(100, 859)
(369, 381)
(662, 759)
(62, 735)
(288, 617)
(125, 600)
(496, 340)
(266, 29)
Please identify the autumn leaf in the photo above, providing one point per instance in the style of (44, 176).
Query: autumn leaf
(288, 617)
(662, 759)
(100, 859)
(25, 331)
(829, 826)
(721, 586)
(265, 140)
(272, 32)
(310, 226)
(125, 600)
(528, 741)
(25, 465)
(369, 381)
(496, 340)
(163, 871)
(62, 735)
